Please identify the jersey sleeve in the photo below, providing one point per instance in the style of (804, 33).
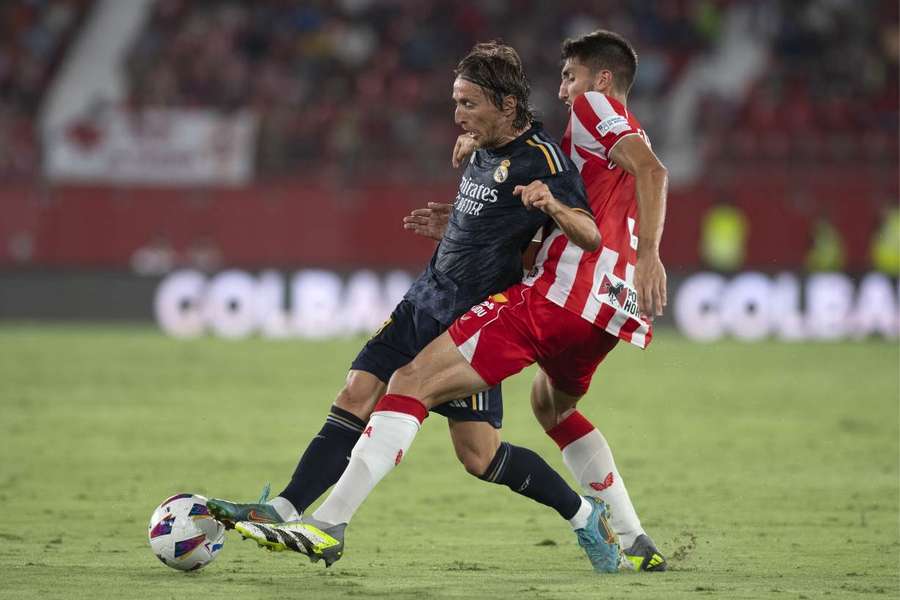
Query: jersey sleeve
(603, 119)
(568, 188)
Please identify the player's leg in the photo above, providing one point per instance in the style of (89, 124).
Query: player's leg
(481, 451)
(586, 453)
(321, 463)
(438, 373)
(475, 443)
(385, 440)
(441, 372)
(549, 405)
(495, 338)
(327, 453)
(585, 450)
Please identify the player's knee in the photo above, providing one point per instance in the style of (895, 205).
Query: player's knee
(475, 463)
(542, 406)
(545, 415)
(406, 381)
(542, 402)
(360, 394)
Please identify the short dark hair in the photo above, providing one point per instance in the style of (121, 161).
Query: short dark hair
(497, 69)
(604, 49)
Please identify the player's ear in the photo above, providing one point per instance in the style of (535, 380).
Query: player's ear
(603, 81)
(509, 106)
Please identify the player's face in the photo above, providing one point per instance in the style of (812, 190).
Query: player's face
(476, 114)
(577, 79)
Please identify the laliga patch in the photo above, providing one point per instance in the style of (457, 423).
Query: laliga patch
(502, 172)
(615, 124)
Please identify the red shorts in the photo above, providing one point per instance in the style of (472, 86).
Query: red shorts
(510, 331)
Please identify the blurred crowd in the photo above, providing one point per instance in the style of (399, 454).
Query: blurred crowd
(33, 38)
(829, 92)
(362, 87)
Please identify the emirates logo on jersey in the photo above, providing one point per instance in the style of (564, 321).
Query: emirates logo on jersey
(616, 292)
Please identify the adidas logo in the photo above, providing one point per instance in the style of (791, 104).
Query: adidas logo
(655, 560)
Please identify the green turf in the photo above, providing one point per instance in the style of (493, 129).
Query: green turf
(763, 471)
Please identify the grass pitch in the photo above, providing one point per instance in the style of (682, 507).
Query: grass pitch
(762, 471)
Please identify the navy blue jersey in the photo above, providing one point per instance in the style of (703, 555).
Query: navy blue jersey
(481, 252)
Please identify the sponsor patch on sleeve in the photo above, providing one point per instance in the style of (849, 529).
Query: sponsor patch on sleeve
(615, 124)
(619, 295)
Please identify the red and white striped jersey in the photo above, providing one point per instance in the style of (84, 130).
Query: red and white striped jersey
(598, 285)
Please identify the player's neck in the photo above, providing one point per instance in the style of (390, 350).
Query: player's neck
(510, 135)
(621, 98)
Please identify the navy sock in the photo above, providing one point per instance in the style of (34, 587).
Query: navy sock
(526, 473)
(325, 458)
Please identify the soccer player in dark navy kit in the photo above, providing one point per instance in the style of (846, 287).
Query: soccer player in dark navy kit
(501, 203)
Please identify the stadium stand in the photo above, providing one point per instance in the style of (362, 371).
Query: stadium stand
(34, 36)
(332, 79)
(753, 103)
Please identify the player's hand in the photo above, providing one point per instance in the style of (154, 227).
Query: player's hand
(650, 285)
(430, 222)
(465, 146)
(537, 195)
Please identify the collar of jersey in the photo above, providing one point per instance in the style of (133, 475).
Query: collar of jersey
(536, 126)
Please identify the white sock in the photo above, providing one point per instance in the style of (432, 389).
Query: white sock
(284, 508)
(579, 521)
(380, 448)
(591, 462)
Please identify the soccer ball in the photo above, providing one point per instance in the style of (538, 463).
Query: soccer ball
(183, 535)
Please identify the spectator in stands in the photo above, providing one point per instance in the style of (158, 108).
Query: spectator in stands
(156, 257)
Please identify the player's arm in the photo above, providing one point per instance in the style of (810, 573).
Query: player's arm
(577, 224)
(529, 256)
(651, 182)
(430, 222)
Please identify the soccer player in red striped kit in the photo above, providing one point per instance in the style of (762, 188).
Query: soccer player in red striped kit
(567, 315)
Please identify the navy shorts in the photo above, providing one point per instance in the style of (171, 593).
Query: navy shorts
(400, 339)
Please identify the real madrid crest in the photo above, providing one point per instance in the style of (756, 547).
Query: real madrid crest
(502, 172)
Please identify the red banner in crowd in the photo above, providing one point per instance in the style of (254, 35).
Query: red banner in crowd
(154, 147)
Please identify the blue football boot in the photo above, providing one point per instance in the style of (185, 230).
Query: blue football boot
(599, 541)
